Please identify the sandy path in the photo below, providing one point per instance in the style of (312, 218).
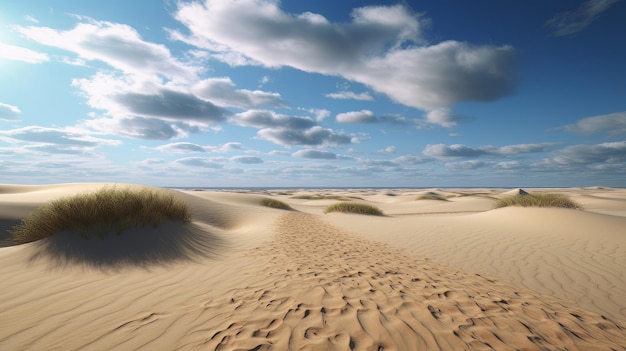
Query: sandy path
(327, 289)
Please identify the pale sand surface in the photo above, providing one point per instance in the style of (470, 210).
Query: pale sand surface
(431, 274)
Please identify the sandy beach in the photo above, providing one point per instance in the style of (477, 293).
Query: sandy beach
(450, 274)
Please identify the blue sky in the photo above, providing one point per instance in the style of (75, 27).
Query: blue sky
(323, 93)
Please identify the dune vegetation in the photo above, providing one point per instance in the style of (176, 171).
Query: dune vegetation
(106, 210)
(432, 196)
(273, 203)
(538, 200)
(351, 207)
(321, 197)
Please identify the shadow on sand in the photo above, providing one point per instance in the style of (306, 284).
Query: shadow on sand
(170, 243)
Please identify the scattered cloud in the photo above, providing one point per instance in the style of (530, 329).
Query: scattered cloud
(443, 117)
(247, 159)
(185, 147)
(118, 45)
(443, 151)
(605, 153)
(612, 124)
(466, 165)
(19, 53)
(198, 162)
(363, 116)
(388, 150)
(312, 136)
(270, 119)
(573, 21)
(409, 160)
(382, 47)
(315, 154)
(221, 91)
(320, 114)
(9, 112)
(345, 95)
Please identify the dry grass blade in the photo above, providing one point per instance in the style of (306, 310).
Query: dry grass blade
(538, 200)
(273, 203)
(108, 209)
(350, 207)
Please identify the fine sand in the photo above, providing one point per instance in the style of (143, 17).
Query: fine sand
(450, 274)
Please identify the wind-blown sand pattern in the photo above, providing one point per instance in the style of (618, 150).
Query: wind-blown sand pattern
(446, 275)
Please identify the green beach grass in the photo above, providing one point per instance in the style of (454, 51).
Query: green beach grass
(108, 209)
(538, 200)
(350, 207)
(432, 196)
(273, 203)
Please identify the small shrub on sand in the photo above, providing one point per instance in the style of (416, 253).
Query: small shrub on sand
(538, 200)
(432, 196)
(108, 209)
(273, 203)
(350, 207)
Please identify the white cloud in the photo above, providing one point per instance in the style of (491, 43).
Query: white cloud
(19, 53)
(315, 154)
(382, 47)
(9, 112)
(246, 159)
(270, 119)
(466, 165)
(443, 151)
(388, 150)
(409, 160)
(605, 153)
(573, 21)
(320, 114)
(612, 124)
(442, 117)
(45, 140)
(345, 95)
(198, 162)
(363, 116)
(221, 91)
(312, 136)
(118, 45)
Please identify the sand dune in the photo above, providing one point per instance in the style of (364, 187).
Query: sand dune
(431, 275)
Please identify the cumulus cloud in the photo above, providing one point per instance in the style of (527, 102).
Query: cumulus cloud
(57, 136)
(221, 91)
(19, 53)
(312, 136)
(443, 117)
(346, 95)
(363, 116)
(388, 150)
(573, 21)
(381, 47)
(185, 147)
(612, 124)
(9, 112)
(146, 111)
(198, 162)
(315, 154)
(409, 160)
(270, 119)
(464, 151)
(466, 165)
(170, 104)
(246, 159)
(118, 45)
(143, 128)
(605, 153)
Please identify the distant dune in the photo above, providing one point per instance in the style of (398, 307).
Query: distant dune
(448, 275)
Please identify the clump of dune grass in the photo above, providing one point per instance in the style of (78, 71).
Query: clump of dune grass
(432, 196)
(538, 200)
(351, 207)
(320, 197)
(273, 203)
(108, 209)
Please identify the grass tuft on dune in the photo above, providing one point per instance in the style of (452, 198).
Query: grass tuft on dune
(273, 203)
(432, 196)
(538, 200)
(108, 209)
(350, 207)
